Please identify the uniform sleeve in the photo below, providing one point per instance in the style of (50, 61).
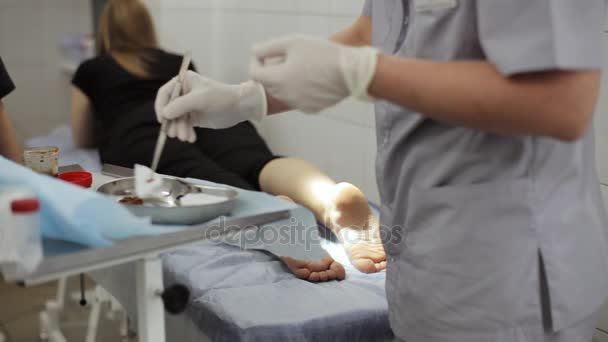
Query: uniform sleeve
(520, 36)
(84, 78)
(6, 83)
(367, 8)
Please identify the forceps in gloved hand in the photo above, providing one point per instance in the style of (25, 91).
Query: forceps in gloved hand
(162, 136)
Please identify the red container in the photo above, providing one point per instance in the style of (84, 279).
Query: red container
(81, 178)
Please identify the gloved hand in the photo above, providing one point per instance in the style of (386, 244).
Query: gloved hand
(182, 128)
(313, 74)
(209, 104)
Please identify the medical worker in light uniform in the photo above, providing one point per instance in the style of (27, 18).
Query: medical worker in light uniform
(490, 200)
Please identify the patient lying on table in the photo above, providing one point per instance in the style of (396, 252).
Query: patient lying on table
(112, 109)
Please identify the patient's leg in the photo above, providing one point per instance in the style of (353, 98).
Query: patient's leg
(341, 207)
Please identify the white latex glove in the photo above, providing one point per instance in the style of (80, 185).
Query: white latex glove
(209, 104)
(311, 74)
(182, 129)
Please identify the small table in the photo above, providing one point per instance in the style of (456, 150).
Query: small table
(64, 259)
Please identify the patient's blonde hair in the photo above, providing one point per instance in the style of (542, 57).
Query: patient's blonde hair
(126, 32)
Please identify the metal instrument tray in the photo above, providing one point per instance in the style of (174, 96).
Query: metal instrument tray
(171, 211)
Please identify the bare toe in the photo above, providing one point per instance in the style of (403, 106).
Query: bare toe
(364, 249)
(331, 275)
(320, 271)
(302, 273)
(339, 269)
(314, 277)
(297, 267)
(381, 266)
(365, 265)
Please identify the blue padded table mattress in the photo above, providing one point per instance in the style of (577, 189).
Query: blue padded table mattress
(249, 294)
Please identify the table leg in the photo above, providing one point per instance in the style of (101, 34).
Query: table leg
(150, 308)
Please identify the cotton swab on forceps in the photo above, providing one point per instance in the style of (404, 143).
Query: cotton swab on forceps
(162, 136)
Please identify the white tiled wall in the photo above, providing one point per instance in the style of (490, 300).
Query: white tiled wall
(603, 323)
(29, 31)
(221, 32)
(601, 133)
(601, 122)
(601, 116)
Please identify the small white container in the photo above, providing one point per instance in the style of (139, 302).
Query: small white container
(20, 237)
(42, 159)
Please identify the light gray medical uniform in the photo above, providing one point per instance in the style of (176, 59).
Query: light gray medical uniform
(492, 237)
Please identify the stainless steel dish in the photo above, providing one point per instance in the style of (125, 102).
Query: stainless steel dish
(166, 207)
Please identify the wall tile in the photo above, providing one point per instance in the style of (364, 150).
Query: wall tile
(25, 112)
(21, 35)
(29, 32)
(345, 151)
(341, 141)
(601, 124)
(369, 165)
(309, 7)
(345, 7)
(221, 41)
(353, 111)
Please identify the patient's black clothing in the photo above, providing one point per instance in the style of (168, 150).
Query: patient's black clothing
(114, 91)
(6, 83)
(124, 105)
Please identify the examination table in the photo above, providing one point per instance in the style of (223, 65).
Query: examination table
(249, 295)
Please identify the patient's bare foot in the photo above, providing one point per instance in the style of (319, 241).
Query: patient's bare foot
(349, 207)
(315, 271)
(325, 270)
(364, 247)
(358, 229)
